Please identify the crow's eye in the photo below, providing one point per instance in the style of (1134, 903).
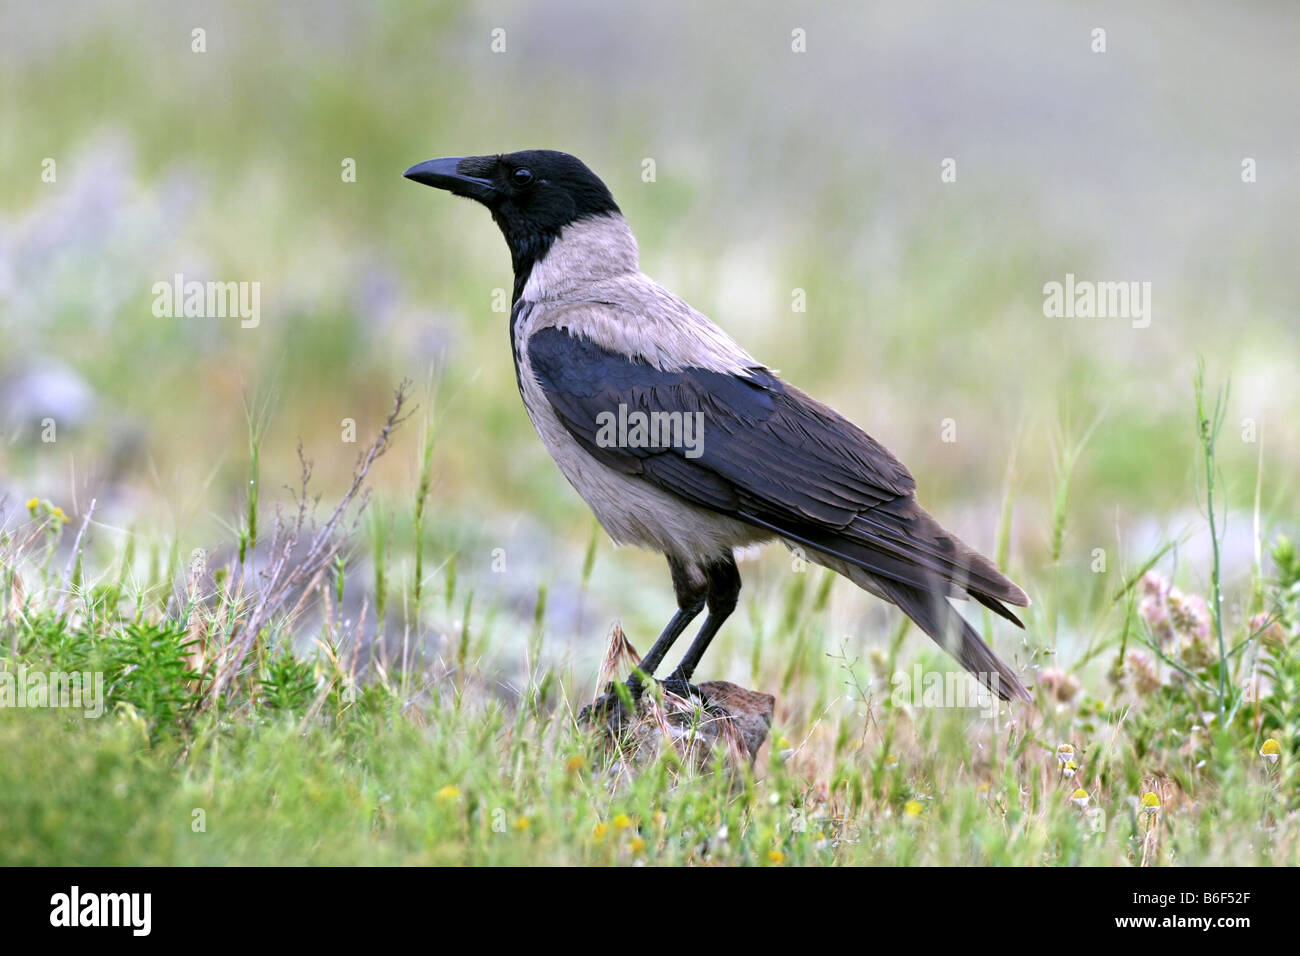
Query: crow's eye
(522, 177)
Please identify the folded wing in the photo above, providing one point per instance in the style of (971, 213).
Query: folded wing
(768, 454)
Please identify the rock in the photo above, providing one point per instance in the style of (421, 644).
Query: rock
(749, 710)
(723, 719)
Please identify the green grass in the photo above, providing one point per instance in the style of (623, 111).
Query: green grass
(295, 761)
(469, 781)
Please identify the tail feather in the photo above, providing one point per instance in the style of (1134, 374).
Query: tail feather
(903, 528)
(998, 608)
(914, 550)
(940, 620)
(906, 557)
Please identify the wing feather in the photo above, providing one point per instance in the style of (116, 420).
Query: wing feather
(770, 455)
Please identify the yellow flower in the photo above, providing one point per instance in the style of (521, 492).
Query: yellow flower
(775, 857)
(782, 742)
(33, 504)
(1064, 754)
(1069, 768)
(636, 844)
(660, 819)
(448, 793)
(522, 824)
(1271, 750)
(912, 808)
(891, 762)
(599, 830)
(1079, 798)
(576, 763)
(1150, 803)
(622, 821)
(58, 513)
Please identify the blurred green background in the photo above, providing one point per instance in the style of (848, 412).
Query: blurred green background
(775, 171)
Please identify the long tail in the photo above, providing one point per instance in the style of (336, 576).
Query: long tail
(930, 609)
(939, 619)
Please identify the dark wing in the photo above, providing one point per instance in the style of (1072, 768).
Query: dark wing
(770, 456)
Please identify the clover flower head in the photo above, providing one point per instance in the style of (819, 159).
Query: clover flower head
(1142, 671)
(1061, 685)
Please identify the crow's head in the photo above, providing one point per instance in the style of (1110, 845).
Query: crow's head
(532, 194)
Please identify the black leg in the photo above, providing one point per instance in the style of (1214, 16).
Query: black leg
(724, 592)
(690, 586)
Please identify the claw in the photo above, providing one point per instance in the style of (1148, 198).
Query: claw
(684, 689)
(608, 708)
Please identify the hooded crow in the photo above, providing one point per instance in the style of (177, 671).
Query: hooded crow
(681, 442)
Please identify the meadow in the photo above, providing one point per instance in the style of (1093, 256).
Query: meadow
(333, 630)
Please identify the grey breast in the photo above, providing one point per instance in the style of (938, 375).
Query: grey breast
(631, 511)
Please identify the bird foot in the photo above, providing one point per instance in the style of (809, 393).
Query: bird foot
(609, 708)
(683, 688)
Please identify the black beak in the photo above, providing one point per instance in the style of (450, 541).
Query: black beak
(446, 174)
